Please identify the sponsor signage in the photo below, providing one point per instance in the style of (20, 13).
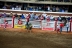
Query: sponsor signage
(19, 26)
(6, 22)
(7, 25)
(36, 24)
(19, 23)
(50, 26)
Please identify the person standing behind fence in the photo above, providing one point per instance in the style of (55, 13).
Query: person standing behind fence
(11, 14)
(22, 16)
(4, 15)
(42, 18)
(32, 16)
(68, 18)
(36, 17)
(51, 18)
(59, 18)
(44, 15)
(48, 18)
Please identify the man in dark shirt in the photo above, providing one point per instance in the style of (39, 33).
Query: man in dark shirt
(68, 18)
(22, 16)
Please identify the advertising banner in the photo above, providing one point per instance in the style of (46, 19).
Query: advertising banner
(19, 23)
(7, 25)
(50, 26)
(64, 28)
(6, 22)
(19, 26)
(36, 24)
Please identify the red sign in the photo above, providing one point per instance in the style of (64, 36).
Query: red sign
(49, 29)
(7, 25)
(20, 22)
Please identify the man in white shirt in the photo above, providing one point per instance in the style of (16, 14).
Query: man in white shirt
(67, 25)
(44, 14)
(51, 18)
(32, 16)
(17, 8)
(36, 17)
(48, 8)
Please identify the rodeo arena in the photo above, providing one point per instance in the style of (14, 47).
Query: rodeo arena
(36, 27)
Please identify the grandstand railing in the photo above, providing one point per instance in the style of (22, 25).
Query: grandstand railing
(37, 12)
(39, 2)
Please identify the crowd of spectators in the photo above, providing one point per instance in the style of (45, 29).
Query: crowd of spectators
(34, 16)
(48, 8)
(57, 0)
(63, 0)
(36, 7)
(17, 7)
(40, 8)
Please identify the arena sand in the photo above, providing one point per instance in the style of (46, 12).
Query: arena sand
(15, 39)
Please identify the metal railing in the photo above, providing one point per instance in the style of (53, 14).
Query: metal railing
(41, 1)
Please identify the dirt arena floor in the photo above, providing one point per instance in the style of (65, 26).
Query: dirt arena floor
(15, 39)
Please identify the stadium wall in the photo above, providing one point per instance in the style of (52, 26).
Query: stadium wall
(40, 23)
(36, 24)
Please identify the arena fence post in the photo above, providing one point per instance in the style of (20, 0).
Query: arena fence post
(70, 25)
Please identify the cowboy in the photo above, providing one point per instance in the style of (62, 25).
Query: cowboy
(29, 27)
